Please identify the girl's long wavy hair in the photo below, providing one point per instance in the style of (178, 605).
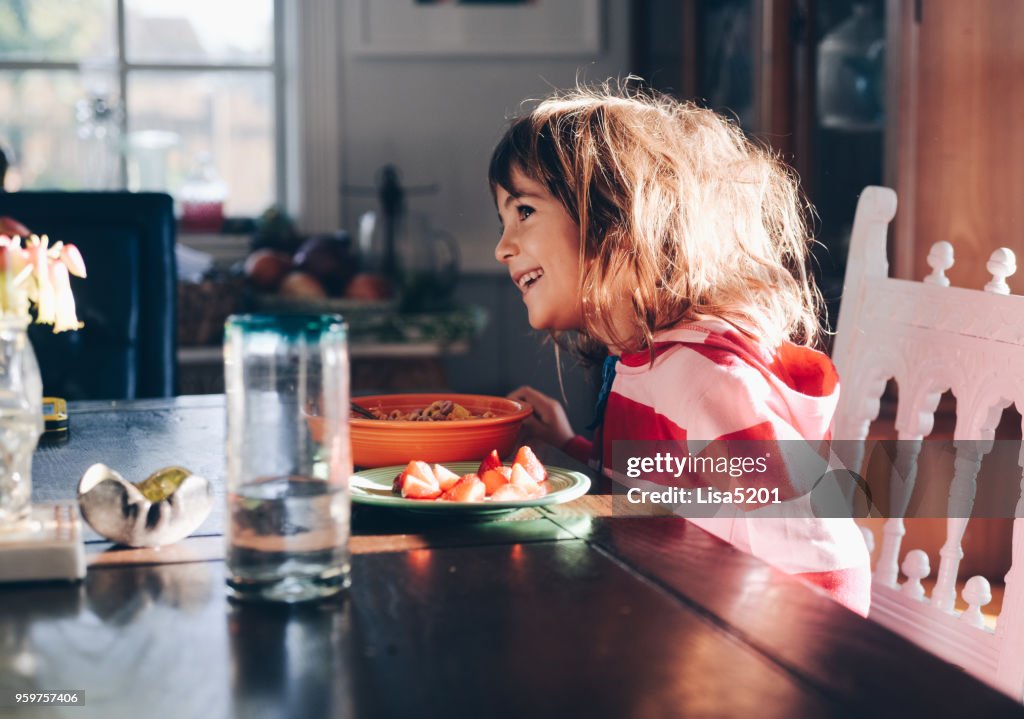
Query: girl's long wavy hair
(680, 214)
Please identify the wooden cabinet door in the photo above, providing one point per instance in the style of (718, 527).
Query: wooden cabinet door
(959, 133)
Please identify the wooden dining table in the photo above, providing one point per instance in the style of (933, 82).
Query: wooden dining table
(564, 611)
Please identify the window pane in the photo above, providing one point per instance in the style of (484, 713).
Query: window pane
(57, 30)
(63, 129)
(178, 118)
(200, 31)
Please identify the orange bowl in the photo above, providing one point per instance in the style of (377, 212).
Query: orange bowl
(383, 442)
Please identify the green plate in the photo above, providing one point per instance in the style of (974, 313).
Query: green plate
(373, 487)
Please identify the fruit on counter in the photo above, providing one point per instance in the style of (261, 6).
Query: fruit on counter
(301, 285)
(265, 269)
(275, 230)
(498, 483)
(328, 258)
(369, 286)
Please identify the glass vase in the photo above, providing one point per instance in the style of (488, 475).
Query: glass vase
(21, 419)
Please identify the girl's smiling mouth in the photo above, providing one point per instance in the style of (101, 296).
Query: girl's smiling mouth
(527, 279)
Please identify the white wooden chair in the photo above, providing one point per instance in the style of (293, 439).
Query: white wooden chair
(931, 338)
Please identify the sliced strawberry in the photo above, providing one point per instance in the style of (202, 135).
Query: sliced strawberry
(421, 470)
(416, 488)
(417, 481)
(396, 486)
(495, 478)
(468, 489)
(521, 478)
(445, 477)
(509, 493)
(531, 464)
(491, 461)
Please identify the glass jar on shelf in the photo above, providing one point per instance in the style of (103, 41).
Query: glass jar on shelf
(202, 197)
(851, 73)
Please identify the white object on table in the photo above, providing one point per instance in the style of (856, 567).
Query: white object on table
(47, 546)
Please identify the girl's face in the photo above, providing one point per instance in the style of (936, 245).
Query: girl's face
(540, 245)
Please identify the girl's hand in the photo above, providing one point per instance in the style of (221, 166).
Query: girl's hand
(548, 422)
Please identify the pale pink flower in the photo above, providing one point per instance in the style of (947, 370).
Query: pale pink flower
(64, 317)
(72, 259)
(37, 274)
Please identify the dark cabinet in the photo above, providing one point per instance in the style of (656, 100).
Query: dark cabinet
(807, 77)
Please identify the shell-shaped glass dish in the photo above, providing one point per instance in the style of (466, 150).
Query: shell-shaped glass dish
(165, 507)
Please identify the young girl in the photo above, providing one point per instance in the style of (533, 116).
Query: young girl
(664, 239)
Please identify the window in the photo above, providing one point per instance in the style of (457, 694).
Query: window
(173, 95)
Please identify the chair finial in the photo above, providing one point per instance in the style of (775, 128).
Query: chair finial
(940, 259)
(916, 567)
(1002, 263)
(977, 593)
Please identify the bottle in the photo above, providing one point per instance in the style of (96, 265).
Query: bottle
(851, 67)
(202, 197)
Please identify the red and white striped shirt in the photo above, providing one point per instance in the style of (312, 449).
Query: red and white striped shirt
(710, 382)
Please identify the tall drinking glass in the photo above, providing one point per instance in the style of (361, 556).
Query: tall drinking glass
(288, 456)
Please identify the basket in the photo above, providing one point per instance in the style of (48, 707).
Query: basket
(203, 307)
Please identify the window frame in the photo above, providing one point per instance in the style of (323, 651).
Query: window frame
(120, 65)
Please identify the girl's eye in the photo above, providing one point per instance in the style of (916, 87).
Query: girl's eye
(524, 211)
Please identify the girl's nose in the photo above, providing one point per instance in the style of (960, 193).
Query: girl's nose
(505, 249)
